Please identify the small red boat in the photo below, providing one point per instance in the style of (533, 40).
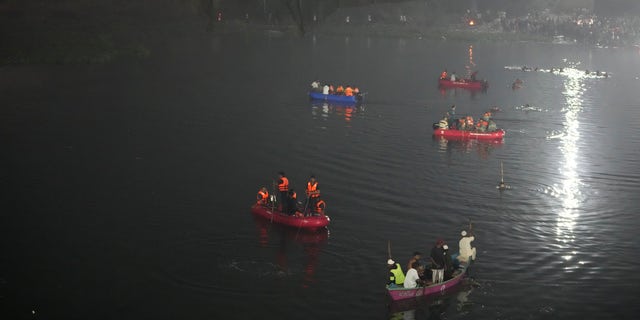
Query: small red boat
(464, 83)
(311, 223)
(463, 134)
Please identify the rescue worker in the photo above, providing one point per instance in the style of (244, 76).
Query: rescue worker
(443, 75)
(453, 76)
(312, 191)
(283, 187)
(462, 124)
(263, 196)
(340, 89)
(356, 91)
(320, 206)
(443, 123)
(325, 89)
(348, 91)
(492, 126)
(292, 199)
(469, 124)
(396, 276)
(486, 116)
(331, 89)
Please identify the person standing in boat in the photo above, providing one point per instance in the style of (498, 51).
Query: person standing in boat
(473, 75)
(340, 90)
(263, 196)
(412, 279)
(453, 76)
(396, 276)
(466, 251)
(283, 187)
(437, 262)
(313, 193)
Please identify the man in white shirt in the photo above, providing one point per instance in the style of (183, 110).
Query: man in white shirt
(325, 89)
(466, 250)
(453, 76)
(412, 279)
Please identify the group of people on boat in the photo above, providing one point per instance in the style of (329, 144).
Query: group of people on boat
(453, 77)
(287, 199)
(442, 265)
(484, 124)
(340, 90)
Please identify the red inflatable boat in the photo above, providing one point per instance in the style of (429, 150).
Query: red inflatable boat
(311, 223)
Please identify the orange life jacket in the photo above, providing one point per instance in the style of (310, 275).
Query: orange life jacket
(262, 197)
(284, 186)
(320, 206)
(348, 91)
(311, 188)
(340, 89)
(469, 121)
(443, 75)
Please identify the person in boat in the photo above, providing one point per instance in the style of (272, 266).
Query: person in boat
(437, 262)
(292, 202)
(412, 278)
(473, 76)
(396, 276)
(325, 89)
(466, 251)
(348, 91)
(443, 123)
(340, 90)
(320, 207)
(462, 124)
(443, 75)
(481, 126)
(453, 76)
(356, 91)
(312, 191)
(263, 196)
(283, 187)
(491, 126)
(315, 86)
(415, 258)
(469, 123)
(331, 89)
(486, 116)
(452, 111)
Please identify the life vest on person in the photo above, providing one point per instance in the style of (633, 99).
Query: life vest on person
(284, 185)
(294, 196)
(348, 91)
(397, 275)
(340, 89)
(469, 121)
(486, 115)
(311, 188)
(320, 206)
(443, 75)
(263, 197)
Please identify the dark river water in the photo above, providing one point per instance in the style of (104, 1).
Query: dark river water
(126, 188)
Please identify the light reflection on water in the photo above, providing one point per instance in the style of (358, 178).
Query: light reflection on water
(569, 191)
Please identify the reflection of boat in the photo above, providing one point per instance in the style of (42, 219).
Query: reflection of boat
(335, 98)
(398, 294)
(463, 134)
(276, 216)
(303, 237)
(464, 83)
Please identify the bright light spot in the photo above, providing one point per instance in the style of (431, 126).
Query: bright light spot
(472, 23)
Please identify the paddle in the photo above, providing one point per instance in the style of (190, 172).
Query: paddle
(389, 248)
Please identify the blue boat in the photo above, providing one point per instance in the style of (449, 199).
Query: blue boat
(335, 98)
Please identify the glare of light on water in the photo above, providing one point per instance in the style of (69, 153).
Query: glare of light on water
(569, 190)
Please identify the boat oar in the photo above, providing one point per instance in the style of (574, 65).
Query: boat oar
(389, 248)
(273, 203)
